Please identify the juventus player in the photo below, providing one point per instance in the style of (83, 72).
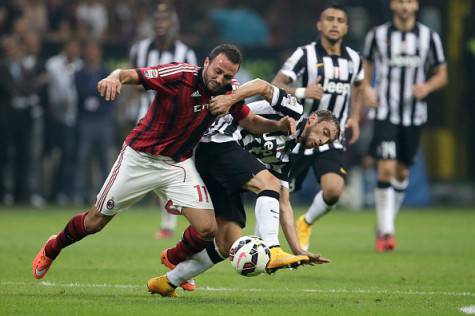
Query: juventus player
(156, 155)
(161, 49)
(331, 75)
(234, 168)
(408, 61)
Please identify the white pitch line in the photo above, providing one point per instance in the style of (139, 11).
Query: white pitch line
(468, 310)
(213, 289)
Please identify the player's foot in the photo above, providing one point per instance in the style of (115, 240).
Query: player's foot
(304, 231)
(188, 285)
(161, 285)
(279, 259)
(42, 263)
(164, 234)
(385, 242)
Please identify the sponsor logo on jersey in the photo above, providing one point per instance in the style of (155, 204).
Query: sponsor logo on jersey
(200, 107)
(405, 61)
(151, 73)
(336, 87)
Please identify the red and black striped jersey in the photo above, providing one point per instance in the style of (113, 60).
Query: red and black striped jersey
(179, 114)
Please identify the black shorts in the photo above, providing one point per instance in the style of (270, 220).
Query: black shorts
(225, 168)
(329, 161)
(395, 142)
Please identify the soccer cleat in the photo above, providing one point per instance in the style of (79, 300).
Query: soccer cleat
(280, 260)
(385, 242)
(188, 285)
(161, 285)
(164, 234)
(41, 263)
(304, 231)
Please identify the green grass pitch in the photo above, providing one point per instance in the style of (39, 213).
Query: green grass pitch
(431, 273)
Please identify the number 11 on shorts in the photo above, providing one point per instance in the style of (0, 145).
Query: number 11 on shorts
(199, 188)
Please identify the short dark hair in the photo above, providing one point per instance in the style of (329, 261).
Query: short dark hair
(325, 115)
(334, 6)
(229, 50)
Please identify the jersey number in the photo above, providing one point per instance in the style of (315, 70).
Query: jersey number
(199, 188)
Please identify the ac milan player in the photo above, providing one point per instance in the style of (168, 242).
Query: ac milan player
(156, 154)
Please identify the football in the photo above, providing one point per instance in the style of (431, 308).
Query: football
(249, 255)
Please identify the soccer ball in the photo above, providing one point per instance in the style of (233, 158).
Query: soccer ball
(249, 255)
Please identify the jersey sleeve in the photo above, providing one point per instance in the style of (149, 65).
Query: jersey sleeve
(436, 51)
(286, 104)
(163, 78)
(359, 71)
(295, 64)
(239, 111)
(369, 50)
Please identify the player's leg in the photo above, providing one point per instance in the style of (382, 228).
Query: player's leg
(215, 252)
(330, 171)
(384, 147)
(267, 211)
(407, 147)
(127, 175)
(267, 188)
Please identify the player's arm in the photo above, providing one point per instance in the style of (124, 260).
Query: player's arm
(110, 86)
(288, 226)
(353, 122)
(257, 124)
(256, 87)
(314, 90)
(369, 94)
(439, 76)
(436, 82)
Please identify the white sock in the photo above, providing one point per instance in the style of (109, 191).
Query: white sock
(267, 217)
(399, 193)
(384, 202)
(318, 208)
(168, 221)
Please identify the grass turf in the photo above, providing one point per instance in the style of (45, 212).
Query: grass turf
(432, 271)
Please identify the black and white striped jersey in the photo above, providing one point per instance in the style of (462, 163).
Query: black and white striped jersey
(338, 74)
(272, 149)
(144, 53)
(401, 60)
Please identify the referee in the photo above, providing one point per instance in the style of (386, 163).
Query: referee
(163, 48)
(330, 76)
(408, 61)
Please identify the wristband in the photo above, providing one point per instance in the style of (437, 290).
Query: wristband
(300, 93)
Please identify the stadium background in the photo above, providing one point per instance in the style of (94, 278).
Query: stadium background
(267, 32)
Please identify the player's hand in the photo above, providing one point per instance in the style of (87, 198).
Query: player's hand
(109, 88)
(314, 258)
(220, 104)
(314, 90)
(288, 124)
(354, 125)
(420, 91)
(370, 97)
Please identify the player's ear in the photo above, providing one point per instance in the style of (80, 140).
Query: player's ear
(206, 63)
(318, 25)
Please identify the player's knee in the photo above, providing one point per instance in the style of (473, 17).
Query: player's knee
(207, 231)
(332, 193)
(267, 181)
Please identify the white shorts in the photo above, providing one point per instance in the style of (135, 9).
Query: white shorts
(134, 174)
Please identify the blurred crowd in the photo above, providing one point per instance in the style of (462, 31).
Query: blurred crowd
(57, 137)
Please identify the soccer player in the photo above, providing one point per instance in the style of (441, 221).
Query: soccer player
(163, 48)
(226, 177)
(156, 154)
(408, 61)
(331, 76)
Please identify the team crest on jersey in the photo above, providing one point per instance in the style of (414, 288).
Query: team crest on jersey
(151, 73)
(110, 204)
